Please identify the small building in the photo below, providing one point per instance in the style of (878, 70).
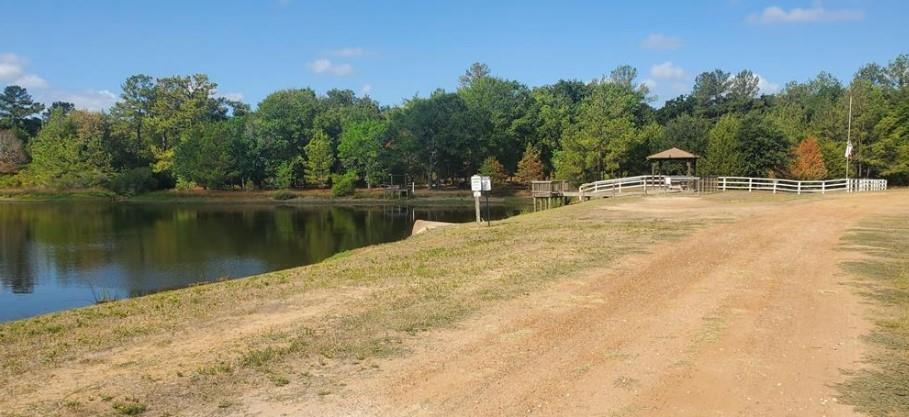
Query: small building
(673, 155)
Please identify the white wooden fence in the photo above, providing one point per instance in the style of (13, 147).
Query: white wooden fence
(621, 186)
(776, 185)
(660, 183)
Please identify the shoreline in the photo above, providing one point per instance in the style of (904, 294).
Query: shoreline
(362, 197)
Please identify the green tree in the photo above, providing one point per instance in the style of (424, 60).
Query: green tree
(723, 156)
(180, 104)
(685, 132)
(283, 126)
(319, 160)
(599, 144)
(710, 91)
(435, 136)
(497, 108)
(476, 72)
(765, 150)
(494, 170)
(16, 106)
(70, 151)
(361, 150)
(211, 154)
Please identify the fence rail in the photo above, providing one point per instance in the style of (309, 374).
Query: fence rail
(776, 185)
(660, 183)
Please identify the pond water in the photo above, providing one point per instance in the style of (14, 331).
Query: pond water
(56, 256)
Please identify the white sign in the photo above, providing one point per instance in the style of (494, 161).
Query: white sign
(487, 183)
(476, 183)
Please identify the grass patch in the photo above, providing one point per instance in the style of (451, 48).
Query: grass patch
(426, 282)
(129, 408)
(883, 388)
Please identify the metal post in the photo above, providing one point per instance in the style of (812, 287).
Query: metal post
(488, 222)
(476, 200)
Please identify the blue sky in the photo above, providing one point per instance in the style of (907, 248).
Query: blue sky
(81, 51)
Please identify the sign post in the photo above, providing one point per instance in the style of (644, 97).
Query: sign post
(487, 187)
(476, 185)
(480, 185)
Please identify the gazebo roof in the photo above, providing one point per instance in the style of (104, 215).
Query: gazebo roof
(673, 153)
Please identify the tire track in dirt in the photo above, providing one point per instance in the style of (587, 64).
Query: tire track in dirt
(745, 318)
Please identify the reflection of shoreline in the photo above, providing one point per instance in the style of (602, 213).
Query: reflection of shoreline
(133, 250)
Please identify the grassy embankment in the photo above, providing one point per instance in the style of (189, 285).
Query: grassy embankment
(361, 197)
(882, 389)
(141, 354)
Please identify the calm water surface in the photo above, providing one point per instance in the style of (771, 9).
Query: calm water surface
(55, 256)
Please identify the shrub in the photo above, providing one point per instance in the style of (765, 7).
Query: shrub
(184, 185)
(283, 195)
(133, 181)
(343, 185)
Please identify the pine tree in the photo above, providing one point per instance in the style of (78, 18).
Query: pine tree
(808, 161)
(319, 159)
(723, 154)
(530, 167)
(492, 168)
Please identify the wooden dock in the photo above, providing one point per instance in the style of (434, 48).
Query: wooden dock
(549, 194)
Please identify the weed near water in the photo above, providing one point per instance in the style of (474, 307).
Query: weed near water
(882, 389)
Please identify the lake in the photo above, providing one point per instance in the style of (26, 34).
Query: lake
(56, 256)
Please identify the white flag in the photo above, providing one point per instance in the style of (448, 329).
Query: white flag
(848, 149)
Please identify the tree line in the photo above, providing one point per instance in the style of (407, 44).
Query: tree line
(175, 132)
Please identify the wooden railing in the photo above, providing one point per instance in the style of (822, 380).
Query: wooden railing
(622, 186)
(549, 188)
(776, 185)
(659, 183)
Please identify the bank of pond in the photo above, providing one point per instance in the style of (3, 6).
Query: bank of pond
(56, 255)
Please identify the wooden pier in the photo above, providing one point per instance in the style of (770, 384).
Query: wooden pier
(549, 194)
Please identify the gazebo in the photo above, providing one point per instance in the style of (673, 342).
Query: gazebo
(673, 155)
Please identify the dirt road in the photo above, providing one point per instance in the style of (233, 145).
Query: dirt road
(749, 317)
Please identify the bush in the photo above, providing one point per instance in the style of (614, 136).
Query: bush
(283, 195)
(184, 185)
(343, 185)
(133, 181)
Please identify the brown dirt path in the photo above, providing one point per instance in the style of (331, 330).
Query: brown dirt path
(748, 318)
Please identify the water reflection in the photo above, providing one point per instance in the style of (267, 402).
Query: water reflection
(61, 255)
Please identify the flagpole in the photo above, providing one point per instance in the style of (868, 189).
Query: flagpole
(849, 138)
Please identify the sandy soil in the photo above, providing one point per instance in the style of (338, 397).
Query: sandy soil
(750, 317)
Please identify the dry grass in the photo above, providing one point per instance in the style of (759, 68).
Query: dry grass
(883, 388)
(429, 281)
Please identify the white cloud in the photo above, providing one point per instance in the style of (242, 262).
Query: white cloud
(367, 88)
(94, 100)
(230, 96)
(325, 66)
(818, 13)
(767, 87)
(349, 52)
(667, 71)
(12, 71)
(31, 81)
(650, 83)
(661, 41)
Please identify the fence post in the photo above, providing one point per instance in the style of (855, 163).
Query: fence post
(749, 184)
(774, 186)
(724, 183)
(799, 188)
(823, 187)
